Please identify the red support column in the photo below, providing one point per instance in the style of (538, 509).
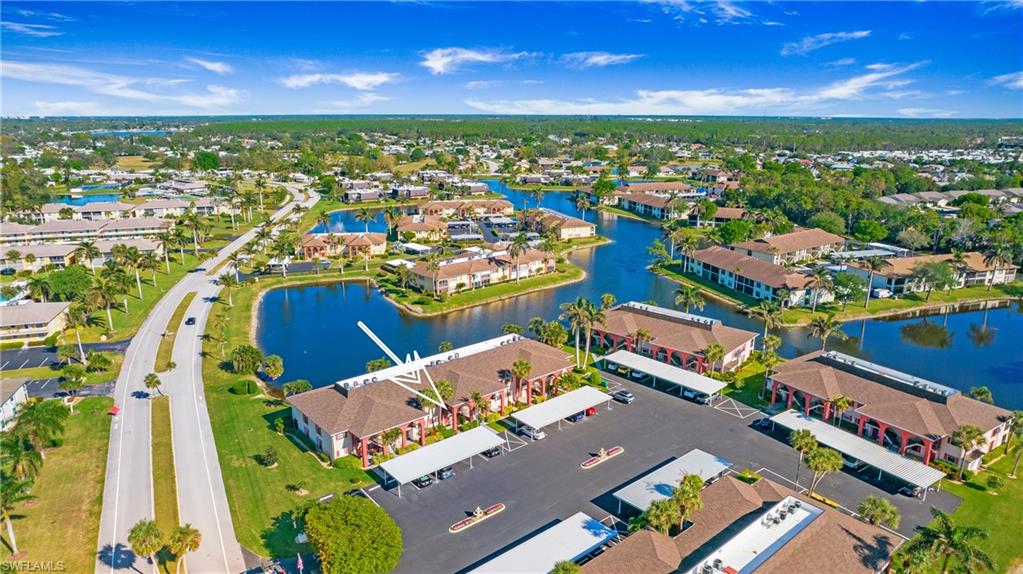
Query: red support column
(774, 392)
(504, 398)
(404, 435)
(422, 432)
(790, 397)
(685, 359)
(529, 392)
(454, 418)
(807, 401)
(364, 446)
(827, 410)
(859, 425)
(905, 441)
(881, 427)
(700, 366)
(928, 445)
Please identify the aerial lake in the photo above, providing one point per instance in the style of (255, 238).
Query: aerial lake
(314, 327)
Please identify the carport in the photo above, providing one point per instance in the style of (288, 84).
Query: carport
(560, 407)
(865, 451)
(431, 458)
(674, 375)
(570, 539)
(659, 484)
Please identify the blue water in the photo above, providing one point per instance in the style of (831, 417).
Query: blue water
(313, 328)
(91, 198)
(129, 133)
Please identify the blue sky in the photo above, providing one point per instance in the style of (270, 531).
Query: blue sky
(905, 59)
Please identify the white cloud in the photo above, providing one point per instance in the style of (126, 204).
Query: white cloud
(68, 108)
(842, 62)
(926, 113)
(480, 84)
(1012, 81)
(355, 80)
(719, 11)
(811, 43)
(215, 67)
(447, 60)
(34, 30)
(117, 86)
(362, 100)
(597, 59)
(710, 101)
(45, 15)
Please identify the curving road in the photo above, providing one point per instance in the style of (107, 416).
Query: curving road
(128, 490)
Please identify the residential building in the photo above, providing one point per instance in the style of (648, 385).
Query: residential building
(648, 205)
(467, 208)
(913, 416)
(361, 194)
(755, 277)
(410, 191)
(31, 321)
(736, 531)
(13, 394)
(793, 247)
(721, 215)
(59, 255)
(76, 231)
(564, 226)
(358, 244)
(475, 269)
(422, 227)
(673, 337)
(349, 417)
(897, 273)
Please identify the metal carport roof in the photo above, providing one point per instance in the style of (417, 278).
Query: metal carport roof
(570, 539)
(868, 452)
(666, 372)
(561, 406)
(438, 455)
(659, 484)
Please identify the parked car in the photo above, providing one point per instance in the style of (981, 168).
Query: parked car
(423, 481)
(492, 452)
(6, 271)
(851, 463)
(446, 473)
(533, 433)
(696, 396)
(764, 423)
(576, 417)
(591, 411)
(190, 321)
(637, 375)
(911, 491)
(624, 396)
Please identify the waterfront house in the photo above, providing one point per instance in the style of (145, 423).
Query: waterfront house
(755, 277)
(793, 247)
(466, 208)
(31, 322)
(721, 215)
(76, 231)
(358, 195)
(60, 255)
(405, 191)
(475, 269)
(676, 338)
(897, 273)
(564, 227)
(422, 227)
(648, 205)
(349, 417)
(358, 244)
(902, 412)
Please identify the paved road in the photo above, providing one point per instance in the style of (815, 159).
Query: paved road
(43, 356)
(128, 490)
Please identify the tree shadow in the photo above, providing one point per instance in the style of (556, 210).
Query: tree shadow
(117, 557)
(279, 539)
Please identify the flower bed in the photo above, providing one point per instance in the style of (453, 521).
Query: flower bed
(601, 457)
(479, 515)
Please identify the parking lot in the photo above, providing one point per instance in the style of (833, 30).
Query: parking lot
(541, 482)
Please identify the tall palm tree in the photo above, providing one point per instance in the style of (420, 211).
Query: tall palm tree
(769, 312)
(87, 252)
(662, 515)
(323, 220)
(15, 492)
(104, 294)
(582, 203)
(689, 296)
(184, 539)
(966, 437)
(687, 496)
(163, 241)
(179, 237)
(687, 247)
(998, 255)
(433, 266)
(152, 382)
(235, 260)
(803, 441)
(149, 262)
(444, 393)
(38, 288)
(575, 315)
(607, 301)
(822, 461)
(145, 538)
(822, 327)
(391, 217)
(78, 316)
(819, 280)
(594, 316)
(943, 540)
(263, 236)
(132, 259)
(364, 215)
(521, 370)
(640, 337)
(536, 325)
(477, 400)
(518, 246)
(42, 422)
(877, 510)
(405, 276)
(982, 394)
(228, 282)
(21, 459)
(713, 354)
(871, 265)
(840, 403)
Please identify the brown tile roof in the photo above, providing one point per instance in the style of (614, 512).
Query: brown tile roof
(729, 213)
(488, 372)
(765, 272)
(813, 374)
(903, 266)
(416, 223)
(312, 240)
(550, 219)
(798, 240)
(364, 239)
(833, 542)
(479, 265)
(647, 187)
(466, 204)
(656, 201)
(674, 333)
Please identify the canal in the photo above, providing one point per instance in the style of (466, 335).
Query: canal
(314, 328)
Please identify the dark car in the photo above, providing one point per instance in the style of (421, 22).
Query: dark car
(190, 321)
(764, 423)
(7, 271)
(445, 473)
(576, 417)
(492, 452)
(911, 491)
(423, 481)
(624, 396)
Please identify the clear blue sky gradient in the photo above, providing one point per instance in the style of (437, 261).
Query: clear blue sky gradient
(905, 59)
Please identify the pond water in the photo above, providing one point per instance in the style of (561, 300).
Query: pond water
(85, 199)
(314, 328)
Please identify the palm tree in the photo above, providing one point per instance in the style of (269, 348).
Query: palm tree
(822, 327)
(389, 437)
(21, 459)
(803, 441)
(871, 265)
(714, 353)
(640, 337)
(391, 217)
(404, 275)
(819, 280)
(943, 540)
(444, 393)
(769, 312)
(687, 497)
(180, 238)
(145, 538)
(42, 422)
(998, 255)
(822, 461)
(153, 382)
(518, 246)
(535, 326)
(982, 394)
(149, 262)
(323, 220)
(582, 203)
(364, 215)
(1017, 431)
(689, 296)
(104, 294)
(521, 370)
(594, 316)
(192, 222)
(966, 437)
(39, 288)
(607, 301)
(228, 281)
(184, 539)
(263, 237)
(14, 256)
(877, 510)
(163, 240)
(78, 316)
(840, 403)
(662, 515)
(574, 314)
(478, 403)
(687, 247)
(235, 259)
(15, 493)
(273, 366)
(87, 252)
(132, 259)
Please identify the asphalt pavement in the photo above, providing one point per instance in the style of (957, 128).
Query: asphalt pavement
(43, 356)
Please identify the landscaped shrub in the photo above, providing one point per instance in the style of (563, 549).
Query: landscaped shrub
(269, 456)
(51, 341)
(11, 346)
(749, 476)
(245, 387)
(951, 470)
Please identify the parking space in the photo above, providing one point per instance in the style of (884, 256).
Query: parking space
(736, 409)
(541, 481)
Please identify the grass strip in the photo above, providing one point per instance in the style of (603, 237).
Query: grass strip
(166, 350)
(165, 488)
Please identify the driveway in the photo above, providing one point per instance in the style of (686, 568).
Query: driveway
(541, 482)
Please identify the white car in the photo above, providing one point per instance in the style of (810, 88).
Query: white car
(533, 433)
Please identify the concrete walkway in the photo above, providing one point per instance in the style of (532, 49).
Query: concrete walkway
(128, 489)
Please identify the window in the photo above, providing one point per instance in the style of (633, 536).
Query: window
(305, 419)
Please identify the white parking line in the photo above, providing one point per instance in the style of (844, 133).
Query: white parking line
(4, 365)
(43, 362)
(23, 364)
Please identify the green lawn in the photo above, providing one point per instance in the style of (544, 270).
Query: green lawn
(165, 489)
(63, 522)
(751, 376)
(261, 503)
(166, 350)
